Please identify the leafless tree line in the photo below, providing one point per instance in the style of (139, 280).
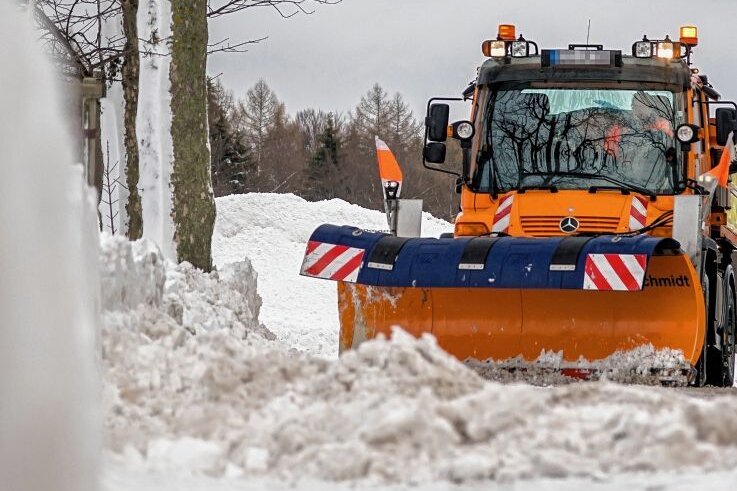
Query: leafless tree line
(258, 147)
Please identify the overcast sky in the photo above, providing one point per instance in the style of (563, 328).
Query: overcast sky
(425, 48)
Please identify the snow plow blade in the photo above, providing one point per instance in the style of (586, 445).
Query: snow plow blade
(505, 298)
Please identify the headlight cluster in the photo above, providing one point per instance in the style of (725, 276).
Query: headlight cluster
(667, 49)
(508, 44)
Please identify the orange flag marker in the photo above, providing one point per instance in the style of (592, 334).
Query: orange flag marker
(389, 169)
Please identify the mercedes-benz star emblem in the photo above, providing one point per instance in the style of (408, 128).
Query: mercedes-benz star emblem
(569, 225)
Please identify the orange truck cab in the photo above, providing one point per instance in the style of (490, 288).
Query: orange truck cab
(586, 141)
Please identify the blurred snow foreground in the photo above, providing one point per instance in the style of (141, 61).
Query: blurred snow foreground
(48, 291)
(194, 383)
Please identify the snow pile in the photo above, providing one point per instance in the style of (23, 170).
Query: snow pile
(195, 384)
(272, 230)
(137, 280)
(131, 274)
(643, 365)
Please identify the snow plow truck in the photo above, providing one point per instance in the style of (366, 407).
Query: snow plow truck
(596, 216)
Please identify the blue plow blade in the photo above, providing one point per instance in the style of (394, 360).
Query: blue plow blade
(483, 262)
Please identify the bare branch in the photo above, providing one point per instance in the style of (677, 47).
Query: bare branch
(225, 46)
(285, 8)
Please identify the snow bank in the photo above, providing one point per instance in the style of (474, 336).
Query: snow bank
(196, 385)
(272, 230)
(48, 290)
(643, 365)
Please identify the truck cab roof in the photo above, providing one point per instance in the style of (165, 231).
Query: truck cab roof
(675, 73)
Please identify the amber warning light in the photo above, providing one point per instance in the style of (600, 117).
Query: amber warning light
(507, 32)
(690, 35)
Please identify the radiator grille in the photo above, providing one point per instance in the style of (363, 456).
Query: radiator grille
(549, 226)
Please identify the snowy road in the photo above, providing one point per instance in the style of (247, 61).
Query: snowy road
(123, 479)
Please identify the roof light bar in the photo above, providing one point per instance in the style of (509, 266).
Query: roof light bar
(507, 45)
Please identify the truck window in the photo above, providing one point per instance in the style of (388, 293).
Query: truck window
(567, 137)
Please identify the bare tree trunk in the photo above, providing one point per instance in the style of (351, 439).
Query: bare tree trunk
(194, 205)
(131, 74)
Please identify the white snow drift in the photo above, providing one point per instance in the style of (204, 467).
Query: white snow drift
(196, 384)
(272, 231)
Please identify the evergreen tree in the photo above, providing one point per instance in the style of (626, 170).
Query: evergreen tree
(231, 157)
(324, 166)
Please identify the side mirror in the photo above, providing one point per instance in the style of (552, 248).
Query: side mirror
(726, 123)
(437, 122)
(434, 152)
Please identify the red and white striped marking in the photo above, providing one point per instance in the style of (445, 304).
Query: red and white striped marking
(332, 262)
(638, 213)
(616, 272)
(503, 215)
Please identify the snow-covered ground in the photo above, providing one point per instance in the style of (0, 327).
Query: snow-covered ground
(200, 395)
(272, 231)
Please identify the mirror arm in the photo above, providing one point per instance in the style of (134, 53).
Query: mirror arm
(427, 166)
(723, 103)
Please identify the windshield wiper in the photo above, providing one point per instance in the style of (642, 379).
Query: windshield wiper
(541, 187)
(616, 182)
(596, 189)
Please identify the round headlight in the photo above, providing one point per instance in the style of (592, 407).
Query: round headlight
(464, 130)
(686, 134)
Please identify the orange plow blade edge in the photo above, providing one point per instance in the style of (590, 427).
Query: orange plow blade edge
(502, 324)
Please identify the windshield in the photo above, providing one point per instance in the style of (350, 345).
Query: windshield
(566, 138)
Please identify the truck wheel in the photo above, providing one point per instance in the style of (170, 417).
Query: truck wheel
(702, 364)
(720, 362)
(728, 341)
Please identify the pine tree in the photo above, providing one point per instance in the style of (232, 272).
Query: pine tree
(324, 167)
(231, 159)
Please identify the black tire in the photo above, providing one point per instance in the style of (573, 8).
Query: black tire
(729, 337)
(703, 363)
(720, 362)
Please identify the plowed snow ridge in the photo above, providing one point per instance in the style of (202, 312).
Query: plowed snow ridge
(272, 231)
(194, 383)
